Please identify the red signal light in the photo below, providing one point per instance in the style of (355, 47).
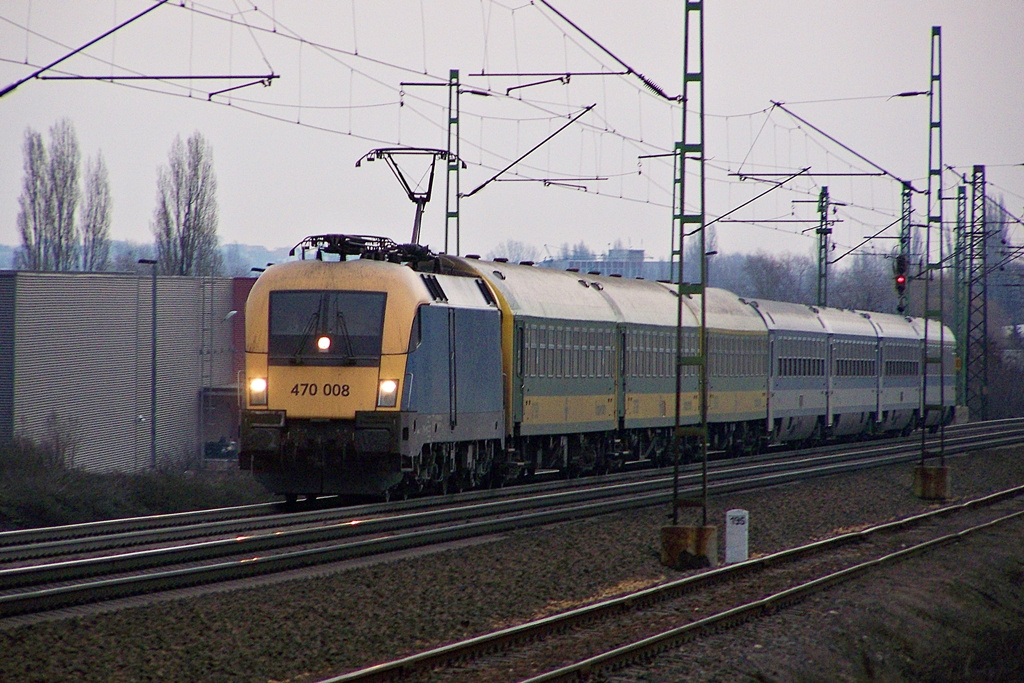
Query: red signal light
(901, 283)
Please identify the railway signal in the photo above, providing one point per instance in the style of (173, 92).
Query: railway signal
(900, 269)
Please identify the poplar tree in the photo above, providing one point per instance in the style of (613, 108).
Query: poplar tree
(49, 200)
(95, 225)
(185, 219)
(33, 206)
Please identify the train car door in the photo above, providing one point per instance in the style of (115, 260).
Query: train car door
(621, 362)
(770, 376)
(453, 396)
(830, 354)
(518, 378)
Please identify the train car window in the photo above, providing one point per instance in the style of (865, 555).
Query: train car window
(416, 335)
(563, 355)
(574, 365)
(540, 341)
(531, 350)
(326, 327)
(645, 336)
(521, 352)
(577, 352)
(552, 352)
(602, 356)
(662, 343)
(547, 367)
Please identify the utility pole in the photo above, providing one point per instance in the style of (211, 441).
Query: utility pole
(976, 357)
(682, 546)
(903, 248)
(451, 206)
(932, 483)
(152, 263)
(824, 230)
(960, 313)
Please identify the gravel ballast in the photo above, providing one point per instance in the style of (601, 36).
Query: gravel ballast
(309, 628)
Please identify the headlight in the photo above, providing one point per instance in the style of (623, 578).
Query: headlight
(387, 394)
(323, 344)
(258, 391)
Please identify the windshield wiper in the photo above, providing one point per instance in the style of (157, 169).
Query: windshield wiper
(310, 327)
(350, 355)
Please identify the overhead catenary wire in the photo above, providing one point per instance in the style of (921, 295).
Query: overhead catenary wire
(76, 51)
(601, 132)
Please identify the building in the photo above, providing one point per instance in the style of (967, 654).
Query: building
(627, 263)
(76, 361)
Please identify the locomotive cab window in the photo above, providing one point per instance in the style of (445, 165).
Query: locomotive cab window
(326, 327)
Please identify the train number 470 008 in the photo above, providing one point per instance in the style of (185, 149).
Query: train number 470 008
(327, 389)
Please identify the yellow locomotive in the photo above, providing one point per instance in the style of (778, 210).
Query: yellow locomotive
(367, 372)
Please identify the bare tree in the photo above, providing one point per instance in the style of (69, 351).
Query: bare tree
(514, 251)
(127, 254)
(782, 278)
(95, 227)
(582, 252)
(33, 221)
(185, 220)
(49, 200)
(236, 261)
(867, 284)
(578, 252)
(64, 195)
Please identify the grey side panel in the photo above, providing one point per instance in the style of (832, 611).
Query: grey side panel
(471, 376)
(427, 366)
(478, 361)
(7, 303)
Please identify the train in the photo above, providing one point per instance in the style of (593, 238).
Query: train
(378, 369)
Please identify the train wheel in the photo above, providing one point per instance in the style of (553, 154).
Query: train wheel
(290, 499)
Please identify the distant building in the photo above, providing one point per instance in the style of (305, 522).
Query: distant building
(627, 263)
(76, 361)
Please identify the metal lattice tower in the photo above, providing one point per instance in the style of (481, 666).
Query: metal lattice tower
(451, 205)
(688, 223)
(824, 230)
(977, 301)
(932, 355)
(903, 248)
(960, 295)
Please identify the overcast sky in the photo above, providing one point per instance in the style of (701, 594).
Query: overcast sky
(285, 155)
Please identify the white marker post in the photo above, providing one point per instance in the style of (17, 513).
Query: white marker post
(737, 523)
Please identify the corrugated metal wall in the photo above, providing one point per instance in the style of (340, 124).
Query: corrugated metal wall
(74, 357)
(82, 362)
(179, 368)
(6, 356)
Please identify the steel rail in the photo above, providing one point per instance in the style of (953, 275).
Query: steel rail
(118, 533)
(532, 630)
(52, 534)
(252, 563)
(633, 652)
(726, 479)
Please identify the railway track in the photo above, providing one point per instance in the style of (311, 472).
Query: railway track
(51, 542)
(48, 569)
(581, 643)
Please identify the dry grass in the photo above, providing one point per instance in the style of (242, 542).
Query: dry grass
(36, 491)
